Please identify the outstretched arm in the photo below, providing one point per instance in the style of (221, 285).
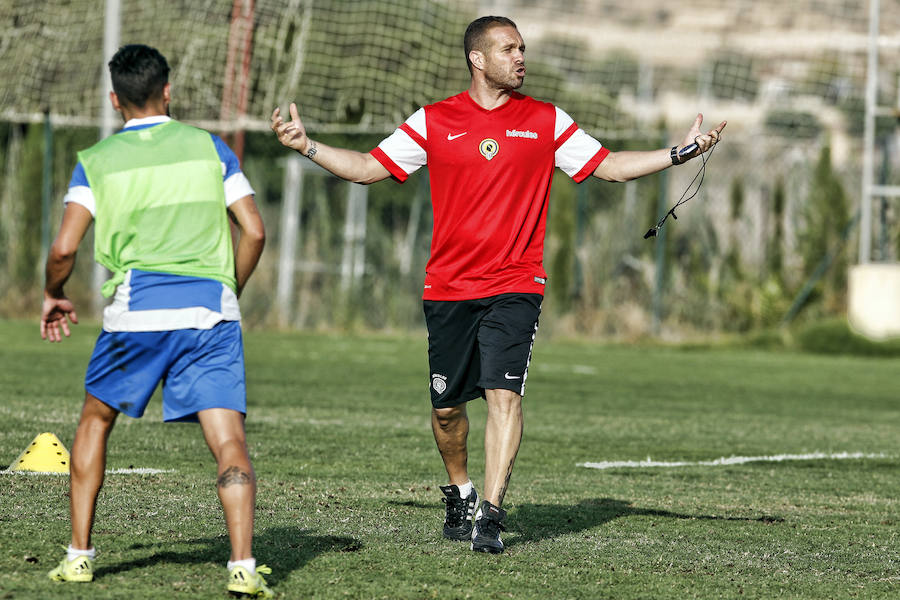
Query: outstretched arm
(358, 167)
(58, 310)
(624, 166)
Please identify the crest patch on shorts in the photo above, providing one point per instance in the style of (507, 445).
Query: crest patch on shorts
(439, 383)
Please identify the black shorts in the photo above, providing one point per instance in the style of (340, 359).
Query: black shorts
(477, 345)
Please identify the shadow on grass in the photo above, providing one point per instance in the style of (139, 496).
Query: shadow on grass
(285, 549)
(414, 504)
(533, 522)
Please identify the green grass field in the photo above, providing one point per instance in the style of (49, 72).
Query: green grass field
(348, 503)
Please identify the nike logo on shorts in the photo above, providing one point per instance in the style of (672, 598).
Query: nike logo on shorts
(508, 376)
(451, 137)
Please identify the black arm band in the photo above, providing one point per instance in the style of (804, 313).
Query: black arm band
(673, 154)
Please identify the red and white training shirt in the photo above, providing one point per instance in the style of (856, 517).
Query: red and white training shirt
(490, 173)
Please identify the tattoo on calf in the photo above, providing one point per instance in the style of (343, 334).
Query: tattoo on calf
(233, 476)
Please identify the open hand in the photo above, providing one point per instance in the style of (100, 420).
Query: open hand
(291, 134)
(704, 141)
(55, 316)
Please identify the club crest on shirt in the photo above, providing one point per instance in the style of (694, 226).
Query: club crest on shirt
(489, 148)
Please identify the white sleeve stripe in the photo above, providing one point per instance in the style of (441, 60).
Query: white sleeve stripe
(236, 187)
(417, 123)
(81, 194)
(404, 151)
(576, 151)
(563, 122)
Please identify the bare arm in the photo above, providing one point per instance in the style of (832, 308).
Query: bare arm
(624, 166)
(358, 167)
(58, 310)
(252, 239)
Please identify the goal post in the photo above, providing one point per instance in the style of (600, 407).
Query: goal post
(873, 297)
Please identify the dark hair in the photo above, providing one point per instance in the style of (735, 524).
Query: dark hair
(138, 73)
(474, 38)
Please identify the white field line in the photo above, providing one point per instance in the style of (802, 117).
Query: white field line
(730, 460)
(137, 471)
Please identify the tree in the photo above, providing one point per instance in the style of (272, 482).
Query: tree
(826, 218)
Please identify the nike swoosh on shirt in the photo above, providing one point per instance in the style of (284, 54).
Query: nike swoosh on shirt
(508, 376)
(451, 137)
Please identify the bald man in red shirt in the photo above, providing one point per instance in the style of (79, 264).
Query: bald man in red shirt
(491, 153)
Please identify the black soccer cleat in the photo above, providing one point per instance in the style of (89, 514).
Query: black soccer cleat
(487, 528)
(458, 522)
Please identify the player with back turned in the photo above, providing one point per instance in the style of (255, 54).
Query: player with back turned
(491, 153)
(160, 194)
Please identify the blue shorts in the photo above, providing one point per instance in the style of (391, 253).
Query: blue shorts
(199, 369)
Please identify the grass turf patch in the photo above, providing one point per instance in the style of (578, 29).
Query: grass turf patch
(348, 505)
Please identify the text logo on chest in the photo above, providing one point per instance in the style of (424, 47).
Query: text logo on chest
(517, 133)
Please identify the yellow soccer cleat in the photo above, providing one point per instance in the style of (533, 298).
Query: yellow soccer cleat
(241, 581)
(80, 570)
